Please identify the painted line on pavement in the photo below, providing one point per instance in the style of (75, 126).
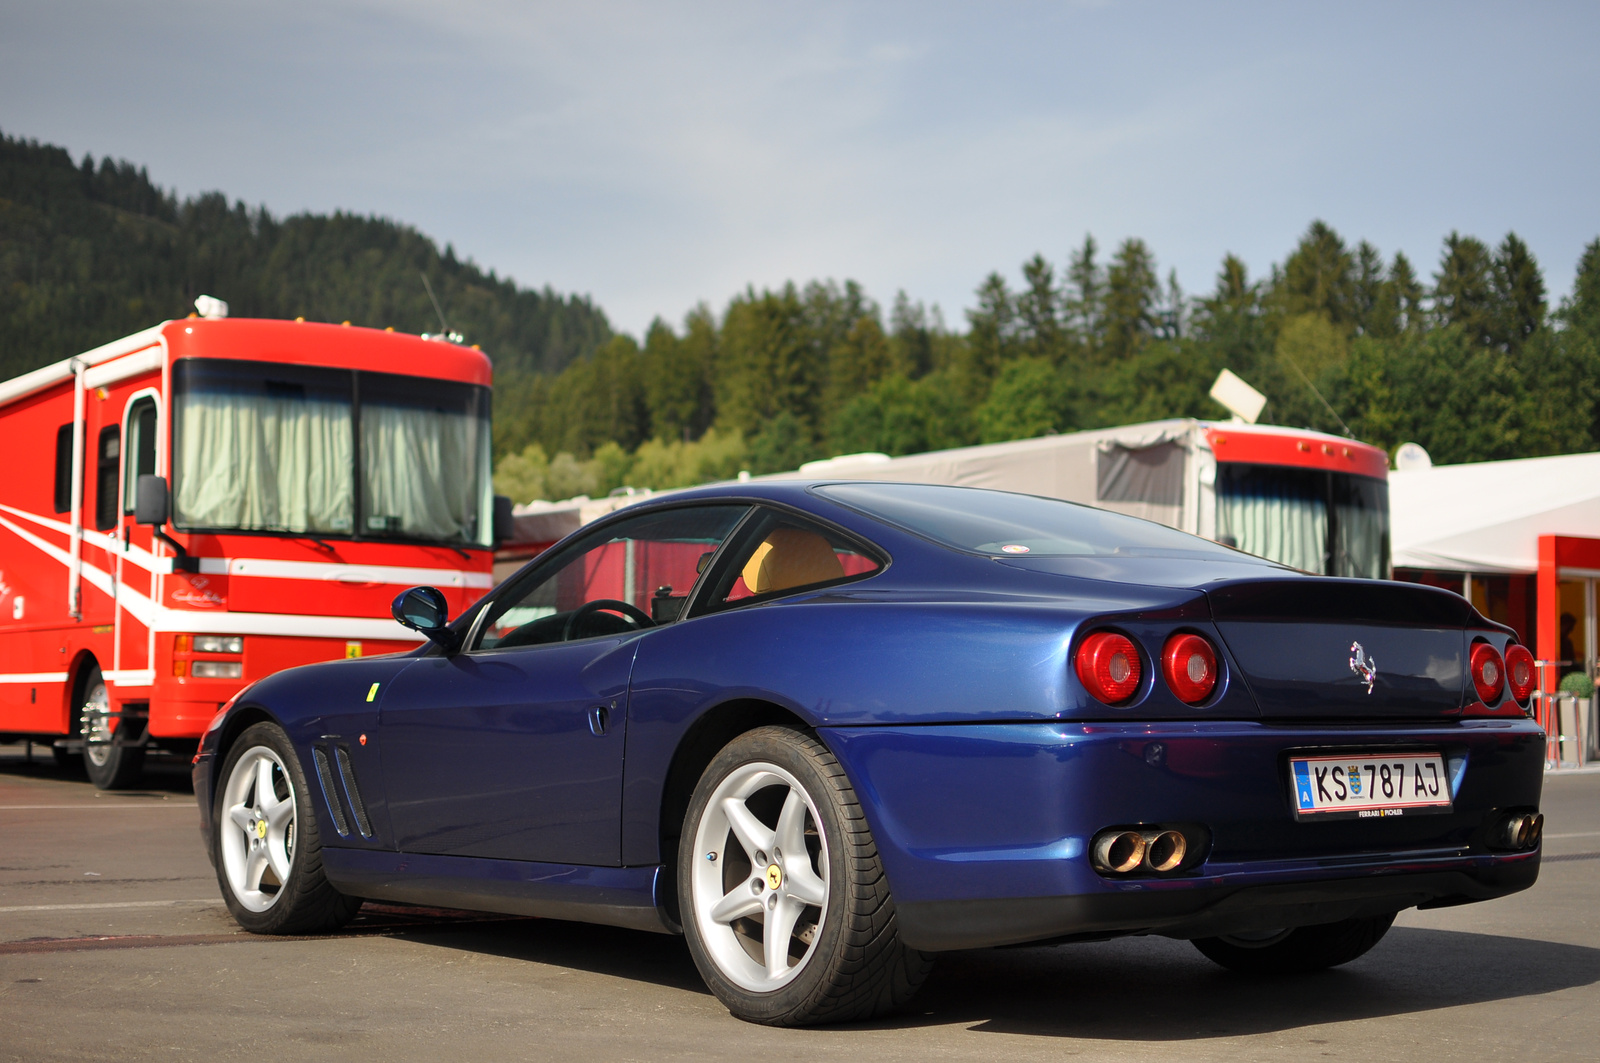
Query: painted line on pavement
(104, 906)
(91, 808)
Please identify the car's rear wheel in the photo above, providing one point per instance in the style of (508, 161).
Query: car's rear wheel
(268, 852)
(784, 901)
(111, 765)
(1298, 950)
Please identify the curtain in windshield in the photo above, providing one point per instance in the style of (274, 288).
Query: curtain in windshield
(424, 457)
(1278, 514)
(1360, 527)
(262, 454)
(1328, 523)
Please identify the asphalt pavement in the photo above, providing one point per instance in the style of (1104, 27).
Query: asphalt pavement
(114, 945)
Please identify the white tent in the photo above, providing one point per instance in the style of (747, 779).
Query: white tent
(1486, 517)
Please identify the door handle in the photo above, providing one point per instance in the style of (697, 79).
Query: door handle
(598, 717)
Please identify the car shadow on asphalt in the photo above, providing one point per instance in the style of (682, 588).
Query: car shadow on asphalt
(1156, 989)
(1131, 989)
(661, 959)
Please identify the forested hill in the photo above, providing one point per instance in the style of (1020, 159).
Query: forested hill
(1473, 359)
(91, 252)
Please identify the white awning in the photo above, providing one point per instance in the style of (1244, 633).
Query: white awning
(1488, 516)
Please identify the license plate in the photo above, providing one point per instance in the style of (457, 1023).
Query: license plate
(1369, 786)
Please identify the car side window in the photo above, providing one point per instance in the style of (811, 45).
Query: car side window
(779, 554)
(630, 575)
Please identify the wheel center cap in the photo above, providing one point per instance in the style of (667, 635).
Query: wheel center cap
(774, 876)
(261, 828)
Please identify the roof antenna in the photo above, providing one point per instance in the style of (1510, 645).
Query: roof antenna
(443, 324)
(1347, 433)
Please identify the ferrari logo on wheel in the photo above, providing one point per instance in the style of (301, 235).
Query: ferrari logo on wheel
(774, 877)
(261, 828)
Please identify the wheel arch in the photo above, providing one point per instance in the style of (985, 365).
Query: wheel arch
(709, 733)
(234, 726)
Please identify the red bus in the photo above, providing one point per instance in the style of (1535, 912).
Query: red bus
(209, 501)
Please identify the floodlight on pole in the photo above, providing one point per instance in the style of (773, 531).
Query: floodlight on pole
(1242, 400)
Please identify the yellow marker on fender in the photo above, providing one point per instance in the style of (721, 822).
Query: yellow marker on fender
(372, 692)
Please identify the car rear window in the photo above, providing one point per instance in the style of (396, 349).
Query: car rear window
(1005, 524)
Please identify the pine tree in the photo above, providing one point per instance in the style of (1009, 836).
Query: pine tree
(1518, 294)
(1463, 292)
(1318, 277)
(1132, 301)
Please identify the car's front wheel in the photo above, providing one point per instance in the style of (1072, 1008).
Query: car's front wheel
(1296, 951)
(268, 852)
(785, 905)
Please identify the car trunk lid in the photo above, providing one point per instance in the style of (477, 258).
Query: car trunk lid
(1316, 648)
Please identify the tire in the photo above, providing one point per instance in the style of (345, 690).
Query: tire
(109, 764)
(1298, 951)
(839, 957)
(268, 854)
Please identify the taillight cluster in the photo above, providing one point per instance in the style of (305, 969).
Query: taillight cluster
(1488, 672)
(1520, 672)
(1108, 666)
(1491, 674)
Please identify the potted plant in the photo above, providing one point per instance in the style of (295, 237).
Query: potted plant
(1578, 689)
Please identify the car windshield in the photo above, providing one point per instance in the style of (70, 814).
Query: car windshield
(1005, 524)
(271, 447)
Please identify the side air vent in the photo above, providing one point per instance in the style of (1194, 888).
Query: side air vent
(347, 773)
(330, 791)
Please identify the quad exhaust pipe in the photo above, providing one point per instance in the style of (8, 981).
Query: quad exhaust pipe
(1520, 830)
(1122, 852)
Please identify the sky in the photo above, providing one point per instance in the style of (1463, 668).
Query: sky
(655, 156)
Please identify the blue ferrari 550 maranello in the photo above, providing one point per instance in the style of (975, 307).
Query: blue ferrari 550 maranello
(828, 730)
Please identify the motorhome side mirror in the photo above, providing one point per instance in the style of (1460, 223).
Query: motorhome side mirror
(503, 520)
(150, 500)
(424, 609)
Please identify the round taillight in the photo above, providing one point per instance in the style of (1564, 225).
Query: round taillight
(1520, 672)
(1190, 666)
(1108, 665)
(1488, 672)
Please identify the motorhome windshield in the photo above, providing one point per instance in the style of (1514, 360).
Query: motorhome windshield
(268, 447)
(1330, 523)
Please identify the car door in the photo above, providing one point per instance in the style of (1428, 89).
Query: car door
(512, 748)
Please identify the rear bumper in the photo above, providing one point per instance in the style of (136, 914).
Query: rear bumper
(1207, 908)
(984, 829)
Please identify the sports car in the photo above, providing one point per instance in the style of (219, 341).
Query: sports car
(826, 731)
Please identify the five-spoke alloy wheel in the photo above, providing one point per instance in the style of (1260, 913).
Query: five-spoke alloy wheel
(268, 857)
(783, 896)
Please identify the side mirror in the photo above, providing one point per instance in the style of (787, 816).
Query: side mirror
(424, 609)
(150, 500)
(504, 523)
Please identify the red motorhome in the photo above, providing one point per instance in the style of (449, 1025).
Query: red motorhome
(209, 501)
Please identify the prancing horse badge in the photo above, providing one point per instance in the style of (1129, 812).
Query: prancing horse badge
(1362, 665)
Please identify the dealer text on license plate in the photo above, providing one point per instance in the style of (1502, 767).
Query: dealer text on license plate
(1369, 786)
